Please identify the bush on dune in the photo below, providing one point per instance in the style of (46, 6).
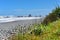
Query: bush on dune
(49, 32)
(53, 16)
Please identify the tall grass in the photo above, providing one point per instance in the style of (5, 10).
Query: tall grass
(49, 32)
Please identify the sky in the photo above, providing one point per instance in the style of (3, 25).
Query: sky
(26, 7)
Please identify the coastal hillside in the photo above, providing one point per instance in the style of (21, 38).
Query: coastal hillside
(41, 32)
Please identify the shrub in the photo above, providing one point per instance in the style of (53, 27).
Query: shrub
(53, 16)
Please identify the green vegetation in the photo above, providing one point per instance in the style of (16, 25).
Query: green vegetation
(49, 32)
(53, 16)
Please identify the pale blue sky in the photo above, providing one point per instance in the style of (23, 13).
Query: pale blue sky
(25, 7)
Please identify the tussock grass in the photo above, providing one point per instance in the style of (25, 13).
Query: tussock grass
(49, 32)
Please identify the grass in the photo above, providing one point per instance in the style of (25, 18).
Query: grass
(49, 32)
